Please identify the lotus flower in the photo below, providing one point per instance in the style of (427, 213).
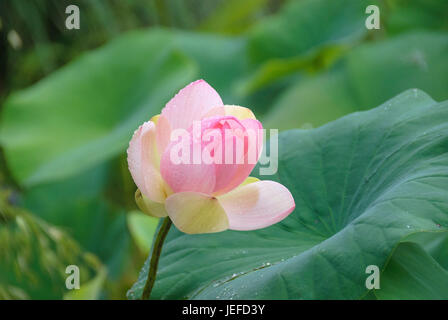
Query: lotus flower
(204, 196)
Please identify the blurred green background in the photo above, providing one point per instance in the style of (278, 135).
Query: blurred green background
(70, 100)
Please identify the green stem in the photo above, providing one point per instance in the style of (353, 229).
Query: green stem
(153, 264)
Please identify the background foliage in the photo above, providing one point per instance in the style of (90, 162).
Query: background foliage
(70, 100)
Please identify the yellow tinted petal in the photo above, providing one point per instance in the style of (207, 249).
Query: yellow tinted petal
(149, 207)
(238, 112)
(155, 118)
(249, 180)
(193, 212)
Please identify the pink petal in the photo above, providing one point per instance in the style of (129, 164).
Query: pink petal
(225, 171)
(190, 104)
(141, 161)
(257, 205)
(219, 176)
(187, 176)
(229, 177)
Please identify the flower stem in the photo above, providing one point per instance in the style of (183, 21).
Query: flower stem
(153, 264)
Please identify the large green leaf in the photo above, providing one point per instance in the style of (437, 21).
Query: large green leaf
(413, 274)
(435, 244)
(86, 112)
(361, 185)
(367, 76)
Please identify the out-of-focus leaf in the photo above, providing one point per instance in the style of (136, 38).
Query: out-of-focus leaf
(90, 290)
(404, 15)
(142, 229)
(297, 40)
(413, 274)
(233, 16)
(370, 74)
(361, 184)
(276, 69)
(307, 25)
(379, 71)
(12, 293)
(312, 102)
(220, 59)
(86, 112)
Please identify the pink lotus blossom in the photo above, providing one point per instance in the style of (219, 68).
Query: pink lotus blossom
(204, 197)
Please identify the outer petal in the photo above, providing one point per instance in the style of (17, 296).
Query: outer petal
(257, 205)
(163, 134)
(141, 153)
(150, 207)
(238, 112)
(196, 213)
(190, 104)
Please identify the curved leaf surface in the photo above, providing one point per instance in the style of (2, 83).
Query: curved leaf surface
(361, 184)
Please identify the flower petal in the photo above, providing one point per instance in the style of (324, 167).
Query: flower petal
(196, 213)
(163, 134)
(151, 208)
(141, 164)
(233, 148)
(249, 180)
(186, 176)
(155, 119)
(190, 104)
(254, 143)
(238, 112)
(257, 205)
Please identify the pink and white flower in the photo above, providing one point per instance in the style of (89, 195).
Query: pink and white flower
(204, 196)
